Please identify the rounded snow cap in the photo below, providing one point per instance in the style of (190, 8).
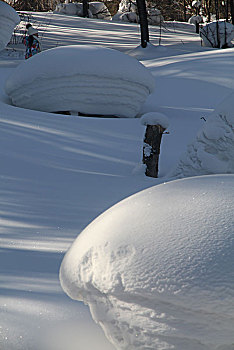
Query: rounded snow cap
(155, 118)
(157, 270)
(96, 80)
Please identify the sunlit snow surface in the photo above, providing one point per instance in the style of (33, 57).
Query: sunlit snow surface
(157, 269)
(97, 80)
(59, 172)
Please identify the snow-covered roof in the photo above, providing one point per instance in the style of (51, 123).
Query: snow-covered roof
(87, 79)
(155, 268)
(9, 18)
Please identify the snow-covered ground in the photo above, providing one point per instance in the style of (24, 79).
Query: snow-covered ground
(60, 172)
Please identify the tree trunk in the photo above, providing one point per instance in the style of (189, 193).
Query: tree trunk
(232, 10)
(85, 8)
(151, 149)
(141, 6)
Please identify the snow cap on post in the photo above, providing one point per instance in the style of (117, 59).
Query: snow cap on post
(155, 118)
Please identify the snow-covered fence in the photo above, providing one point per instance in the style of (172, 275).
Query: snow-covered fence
(156, 124)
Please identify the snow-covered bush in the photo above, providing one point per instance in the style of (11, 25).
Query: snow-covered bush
(96, 81)
(128, 12)
(217, 34)
(154, 16)
(195, 19)
(96, 10)
(99, 10)
(127, 6)
(9, 19)
(212, 152)
(157, 268)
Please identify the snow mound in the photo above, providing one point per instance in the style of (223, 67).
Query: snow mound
(96, 80)
(217, 34)
(213, 149)
(155, 118)
(96, 9)
(9, 18)
(195, 19)
(128, 12)
(157, 268)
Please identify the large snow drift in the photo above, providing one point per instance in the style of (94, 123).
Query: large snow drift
(86, 79)
(96, 9)
(157, 268)
(9, 18)
(217, 34)
(212, 152)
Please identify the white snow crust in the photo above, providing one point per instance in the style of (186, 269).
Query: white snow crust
(9, 18)
(155, 118)
(157, 268)
(96, 80)
(212, 152)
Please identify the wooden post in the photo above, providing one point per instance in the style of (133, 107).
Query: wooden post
(151, 149)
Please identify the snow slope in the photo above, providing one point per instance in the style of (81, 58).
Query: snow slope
(60, 172)
(157, 268)
(9, 18)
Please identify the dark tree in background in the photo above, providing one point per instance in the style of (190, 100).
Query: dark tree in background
(141, 6)
(178, 10)
(85, 8)
(33, 5)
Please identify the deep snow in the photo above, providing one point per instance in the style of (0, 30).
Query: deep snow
(60, 172)
(97, 81)
(9, 18)
(156, 269)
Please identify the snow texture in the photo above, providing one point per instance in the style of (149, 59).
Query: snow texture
(96, 81)
(9, 18)
(224, 37)
(158, 275)
(213, 149)
(155, 118)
